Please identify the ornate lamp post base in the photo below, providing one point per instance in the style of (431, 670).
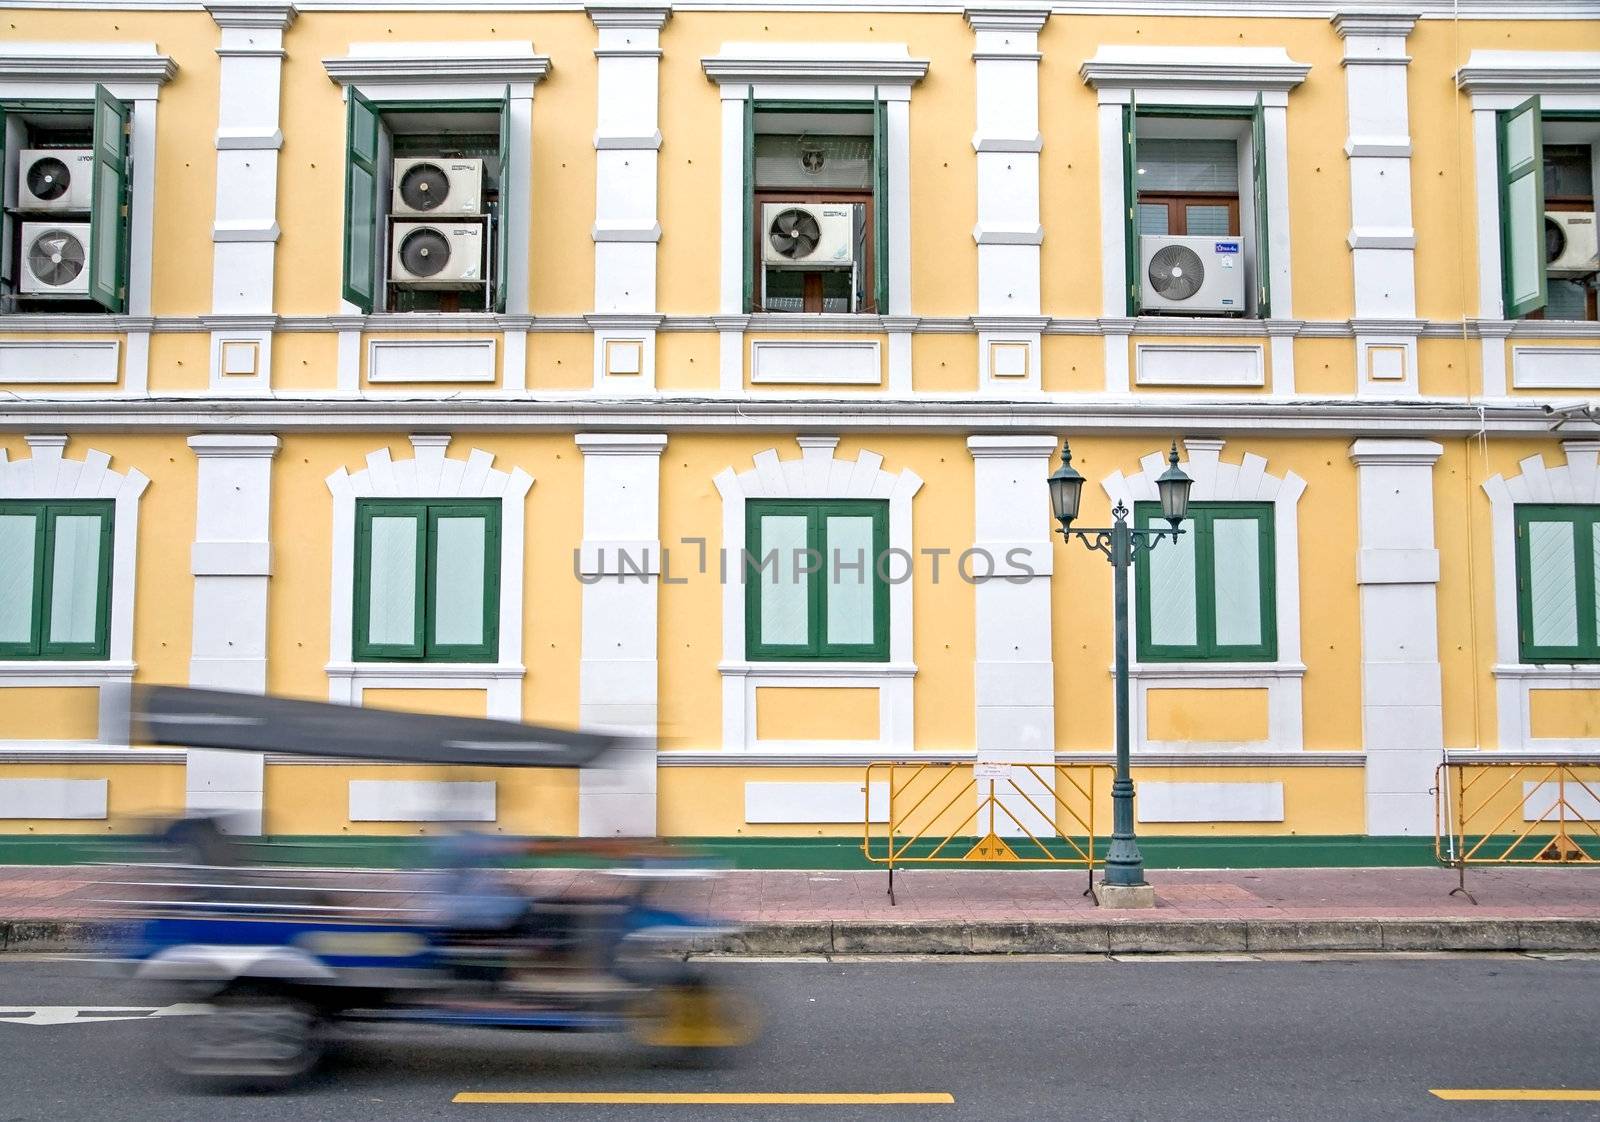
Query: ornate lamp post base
(1124, 895)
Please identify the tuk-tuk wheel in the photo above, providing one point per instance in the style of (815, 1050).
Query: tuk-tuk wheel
(692, 1022)
(257, 1035)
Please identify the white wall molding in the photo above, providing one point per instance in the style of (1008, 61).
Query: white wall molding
(887, 64)
(1518, 75)
(53, 798)
(1576, 481)
(618, 668)
(1190, 69)
(1397, 570)
(1216, 481)
(1210, 802)
(413, 800)
(430, 474)
(816, 474)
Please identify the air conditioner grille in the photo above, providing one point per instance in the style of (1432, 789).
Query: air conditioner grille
(1176, 272)
(424, 186)
(1555, 240)
(795, 233)
(56, 257)
(48, 178)
(424, 252)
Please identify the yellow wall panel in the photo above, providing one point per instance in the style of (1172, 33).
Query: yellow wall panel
(823, 713)
(1073, 364)
(446, 703)
(135, 794)
(1207, 715)
(315, 799)
(688, 360)
(305, 360)
(944, 363)
(1325, 367)
(49, 713)
(1449, 367)
(560, 360)
(1565, 714)
(180, 362)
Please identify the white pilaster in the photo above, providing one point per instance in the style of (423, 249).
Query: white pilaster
(620, 564)
(231, 561)
(244, 232)
(627, 143)
(1382, 240)
(1008, 232)
(1397, 568)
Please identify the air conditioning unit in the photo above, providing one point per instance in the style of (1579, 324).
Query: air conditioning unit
(437, 187)
(55, 178)
(55, 258)
(1570, 245)
(1191, 273)
(808, 235)
(445, 254)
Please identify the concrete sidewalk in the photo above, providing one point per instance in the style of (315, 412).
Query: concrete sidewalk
(1010, 912)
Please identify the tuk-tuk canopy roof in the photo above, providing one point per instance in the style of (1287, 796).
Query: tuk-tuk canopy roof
(245, 722)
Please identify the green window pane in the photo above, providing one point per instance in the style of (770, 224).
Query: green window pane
(458, 581)
(1206, 220)
(105, 233)
(392, 589)
(75, 579)
(1527, 233)
(1179, 164)
(1552, 584)
(785, 610)
(362, 219)
(1594, 572)
(1172, 593)
(18, 540)
(1519, 139)
(1236, 554)
(1153, 219)
(850, 563)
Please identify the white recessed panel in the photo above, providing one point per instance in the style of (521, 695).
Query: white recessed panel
(1555, 368)
(815, 362)
(1210, 802)
(807, 803)
(1173, 364)
(430, 360)
(415, 800)
(58, 361)
(52, 798)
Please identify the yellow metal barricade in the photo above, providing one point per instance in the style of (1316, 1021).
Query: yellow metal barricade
(956, 813)
(1516, 812)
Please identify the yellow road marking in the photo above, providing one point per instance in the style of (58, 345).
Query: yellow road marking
(1516, 1094)
(706, 1098)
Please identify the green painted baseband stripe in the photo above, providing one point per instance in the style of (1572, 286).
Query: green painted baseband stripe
(1166, 852)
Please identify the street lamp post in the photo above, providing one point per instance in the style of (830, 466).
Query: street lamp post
(1122, 544)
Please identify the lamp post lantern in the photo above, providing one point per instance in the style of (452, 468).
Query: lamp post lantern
(1122, 545)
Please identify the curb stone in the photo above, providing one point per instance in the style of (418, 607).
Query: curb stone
(1313, 935)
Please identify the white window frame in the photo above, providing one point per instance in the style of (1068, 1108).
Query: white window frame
(815, 72)
(1215, 481)
(1198, 77)
(48, 474)
(1577, 481)
(131, 72)
(816, 474)
(430, 474)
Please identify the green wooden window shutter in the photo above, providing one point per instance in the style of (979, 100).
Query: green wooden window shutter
(108, 206)
(749, 200)
(427, 580)
(814, 586)
(1211, 595)
(880, 204)
(1258, 165)
(1521, 165)
(55, 579)
(1130, 206)
(502, 244)
(361, 181)
(1558, 582)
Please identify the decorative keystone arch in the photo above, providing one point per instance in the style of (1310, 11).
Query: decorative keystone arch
(1576, 481)
(817, 474)
(1215, 481)
(430, 475)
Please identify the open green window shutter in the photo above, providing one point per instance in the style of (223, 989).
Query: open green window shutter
(1258, 167)
(390, 579)
(1130, 205)
(1521, 165)
(361, 202)
(749, 199)
(108, 210)
(880, 205)
(502, 244)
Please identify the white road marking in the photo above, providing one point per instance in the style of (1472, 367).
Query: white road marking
(89, 1014)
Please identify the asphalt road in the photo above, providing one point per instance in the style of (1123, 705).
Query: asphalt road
(1162, 1038)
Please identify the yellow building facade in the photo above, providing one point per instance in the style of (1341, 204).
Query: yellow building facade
(804, 284)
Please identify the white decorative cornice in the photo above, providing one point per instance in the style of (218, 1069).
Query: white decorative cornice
(85, 62)
(234, 445)
(1250, 68)
(620, 443)
(1529, 72)
(271, 14)
(880, 63)
(621, 13)
(437, 63)
(1362, 24)
(1028, 20)
(1411, 453)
